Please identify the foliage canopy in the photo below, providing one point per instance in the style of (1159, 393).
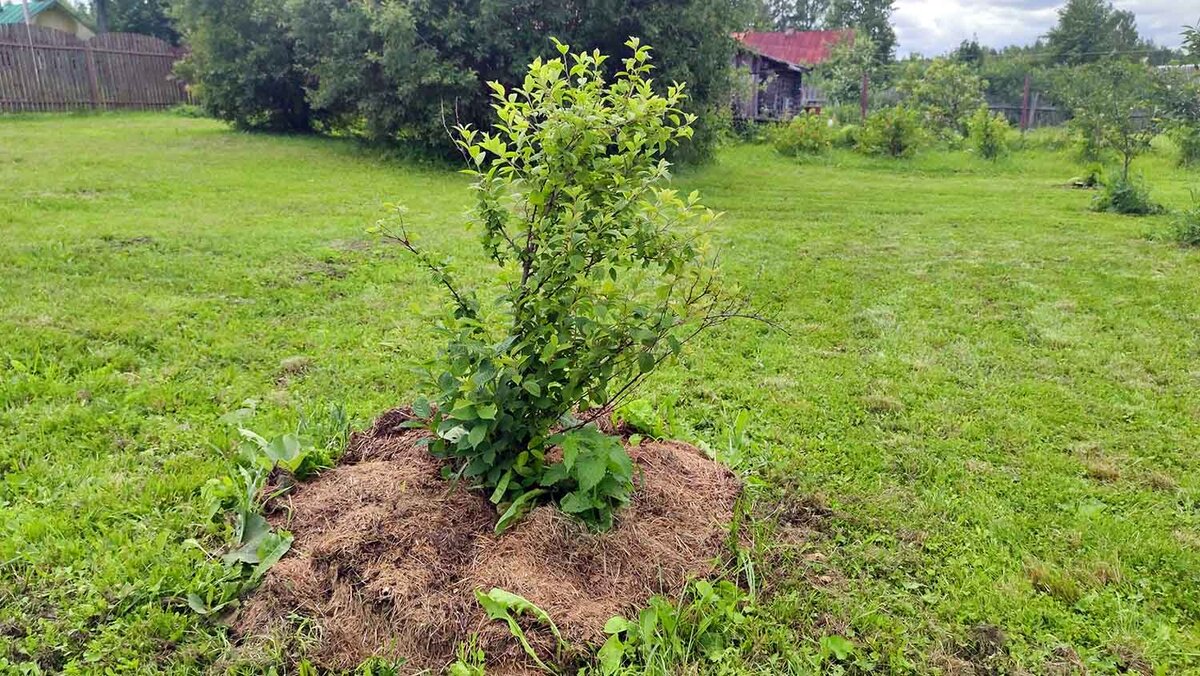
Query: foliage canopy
(1113, 108)
(945, 92)
(400, 70)
(1091, 30)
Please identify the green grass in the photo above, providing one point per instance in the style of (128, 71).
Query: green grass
(983, 414)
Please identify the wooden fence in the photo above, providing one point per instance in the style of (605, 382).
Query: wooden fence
(43, 69)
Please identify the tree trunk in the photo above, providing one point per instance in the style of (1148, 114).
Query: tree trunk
(101, 7)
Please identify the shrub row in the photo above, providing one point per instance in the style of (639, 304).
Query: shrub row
(897, 131)
(407, 71)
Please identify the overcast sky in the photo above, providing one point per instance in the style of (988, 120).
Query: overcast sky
(933, 27)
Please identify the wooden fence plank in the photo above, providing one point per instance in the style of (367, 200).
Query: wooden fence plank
(46, 69)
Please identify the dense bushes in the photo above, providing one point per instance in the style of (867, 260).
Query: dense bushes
(806, 134)
(368, 73)
(895, 132)
(392, 70)
(242, 65)
(988, 133)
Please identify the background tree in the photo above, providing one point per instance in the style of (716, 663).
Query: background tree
(1177, 101)
(1090, 30)
(148, 17)
(367, 71)
(945, 92)
(872, 17)
(840, 76)
(1113, 102)
(1191, 43)
(969, 52)
(100, 9)
(801, 15)
(1004, 75)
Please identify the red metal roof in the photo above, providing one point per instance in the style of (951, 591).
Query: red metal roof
(796, 48)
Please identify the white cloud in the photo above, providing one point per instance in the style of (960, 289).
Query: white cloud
(936, 26)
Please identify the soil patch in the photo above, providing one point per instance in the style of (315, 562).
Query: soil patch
(387, 554)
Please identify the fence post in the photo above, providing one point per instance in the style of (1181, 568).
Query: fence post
(1025, 106)
(93, 78)
(862, 94)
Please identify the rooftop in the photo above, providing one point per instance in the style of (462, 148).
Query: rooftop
(795, 48)
(11, 12)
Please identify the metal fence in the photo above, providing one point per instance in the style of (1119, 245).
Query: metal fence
(42, 69)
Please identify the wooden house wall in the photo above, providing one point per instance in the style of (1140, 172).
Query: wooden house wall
(778, 92)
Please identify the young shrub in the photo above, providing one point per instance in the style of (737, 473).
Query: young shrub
(1124, 195)
(806, 134)
(895, 132)
(1185, 228)
(989, 134)
(604, 276)
(1187, 140)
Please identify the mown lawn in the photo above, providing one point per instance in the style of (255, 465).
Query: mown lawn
(981, 428)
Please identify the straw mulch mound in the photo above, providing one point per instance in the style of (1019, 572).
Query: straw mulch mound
(387, 555)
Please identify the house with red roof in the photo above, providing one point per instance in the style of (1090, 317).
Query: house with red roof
(777, 66)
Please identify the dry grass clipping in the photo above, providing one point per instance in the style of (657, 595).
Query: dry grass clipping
(387, 554)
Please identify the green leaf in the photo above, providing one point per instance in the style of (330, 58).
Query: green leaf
(647, 623)
(272, 548)
(254, 530)
(475, 437)
(505, 606)
(501, 487)
(198, 604)
(286, 451)
(487, 412)
(574, 503)
(646, 362)
(518, 509)
(532, 388)
(837, 646)
(589, 470)
(611, 654)
(616, 625)
(554, 474)
(421, 407)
